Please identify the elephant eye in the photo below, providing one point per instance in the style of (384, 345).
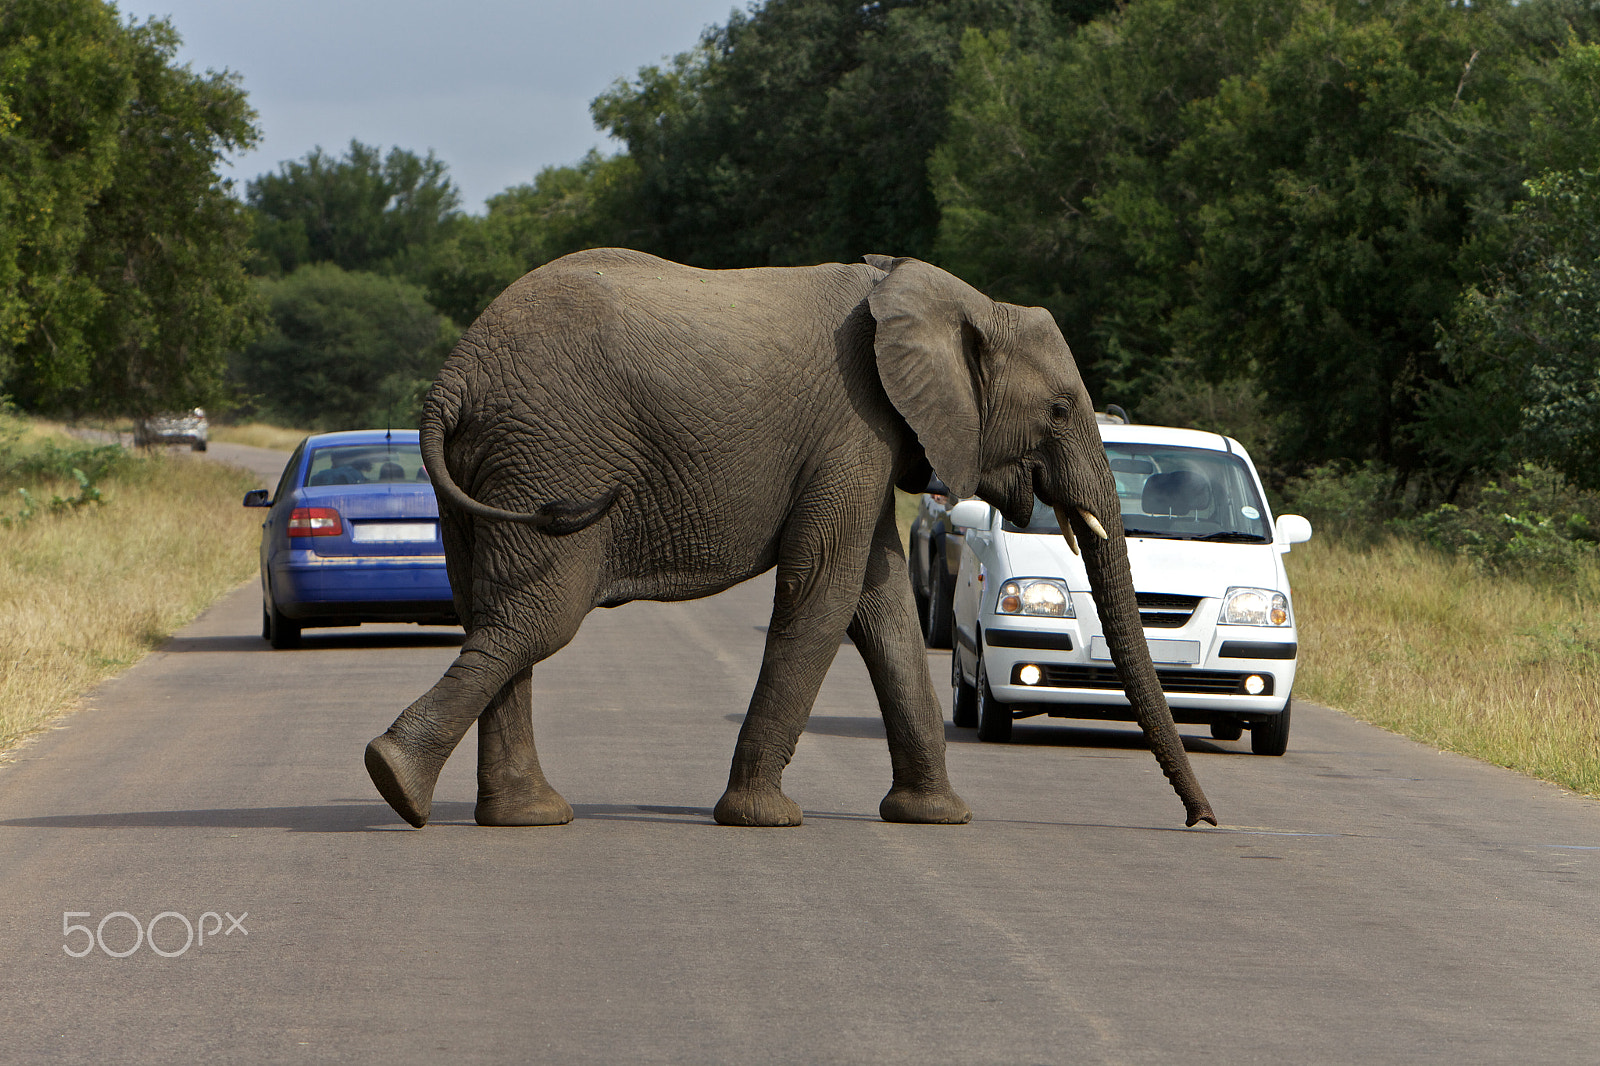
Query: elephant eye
(1060, 412)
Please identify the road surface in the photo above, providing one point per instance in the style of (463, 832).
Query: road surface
(1369, 900)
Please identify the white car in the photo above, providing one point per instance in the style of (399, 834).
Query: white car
(1207, 563)
(191, 428)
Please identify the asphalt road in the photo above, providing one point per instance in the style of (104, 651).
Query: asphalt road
(1369, 900)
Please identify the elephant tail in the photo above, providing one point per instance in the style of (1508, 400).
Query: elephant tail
(440, 415)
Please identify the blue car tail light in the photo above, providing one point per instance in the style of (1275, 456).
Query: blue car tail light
(315, 522)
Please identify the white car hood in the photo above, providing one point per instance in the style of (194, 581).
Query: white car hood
(1179, 567)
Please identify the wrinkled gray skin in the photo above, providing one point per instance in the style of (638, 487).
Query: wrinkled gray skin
(618, 427)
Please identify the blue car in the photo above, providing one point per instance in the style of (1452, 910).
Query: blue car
(351, 536)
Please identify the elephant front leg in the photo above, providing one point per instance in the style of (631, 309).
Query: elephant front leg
(512, 789)
(886, 632)
(818, 580)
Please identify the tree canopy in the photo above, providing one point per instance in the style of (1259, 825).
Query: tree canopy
(360, 211)
(1290, 195)
(800, 131)
(1339, 229)
(122, 279)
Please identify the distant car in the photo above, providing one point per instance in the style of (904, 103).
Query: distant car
(351, 536)
(190, 428)
(1207, 563)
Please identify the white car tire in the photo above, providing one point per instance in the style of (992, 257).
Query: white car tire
(994, 717)
(1270, 736)
(964, 697)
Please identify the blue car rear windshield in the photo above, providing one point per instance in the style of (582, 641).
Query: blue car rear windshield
(359, 464)
(1179, 494)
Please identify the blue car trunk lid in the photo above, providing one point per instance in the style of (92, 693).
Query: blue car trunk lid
(384, 518)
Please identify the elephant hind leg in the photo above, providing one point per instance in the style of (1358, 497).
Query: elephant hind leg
(512, 789)
(404, 762)
(489, 683)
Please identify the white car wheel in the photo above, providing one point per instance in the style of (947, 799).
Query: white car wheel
(994, 717)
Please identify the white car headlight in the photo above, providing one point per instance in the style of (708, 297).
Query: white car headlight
(1255, 607)
(1041, 596)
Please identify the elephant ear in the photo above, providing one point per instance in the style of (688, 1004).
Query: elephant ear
(933, 358)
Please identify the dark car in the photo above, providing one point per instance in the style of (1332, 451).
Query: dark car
(935, 553)
(351, 536)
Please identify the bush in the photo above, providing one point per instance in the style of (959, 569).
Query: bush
(1532, 522)
(1345, 497)
(27, 460)
(346, 350)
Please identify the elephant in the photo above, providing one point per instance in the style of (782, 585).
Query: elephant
(616, 426)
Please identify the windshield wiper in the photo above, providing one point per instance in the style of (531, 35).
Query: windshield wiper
(1232, 536)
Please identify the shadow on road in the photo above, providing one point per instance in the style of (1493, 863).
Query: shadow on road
(314, 642)
(1112, 737)
(328, 818)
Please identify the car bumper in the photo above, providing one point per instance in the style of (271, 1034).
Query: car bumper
(410, 588)
(1204, 671)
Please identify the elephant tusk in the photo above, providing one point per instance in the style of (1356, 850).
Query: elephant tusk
(1066, 530)
(1094, 524)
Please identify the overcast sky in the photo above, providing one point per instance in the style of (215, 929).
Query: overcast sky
(497, 88)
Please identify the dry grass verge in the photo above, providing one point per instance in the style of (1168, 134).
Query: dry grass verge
(85, 593)
(259, 435)
(1426, 645)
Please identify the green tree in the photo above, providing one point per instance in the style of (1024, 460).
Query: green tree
(801, 130)
(1525, 351)
(120, 248)
(363, 211)
(346, 350)
(1286, 196)
(168, 242)
(564, 209)
(1054, 182)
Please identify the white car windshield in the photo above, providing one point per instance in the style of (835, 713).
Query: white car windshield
(1177, 493)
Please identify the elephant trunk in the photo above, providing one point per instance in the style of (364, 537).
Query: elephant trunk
(1105, 554)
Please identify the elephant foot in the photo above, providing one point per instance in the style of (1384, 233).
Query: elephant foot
(924, 807)
(521, 804)
(759, 807)
(405, 777)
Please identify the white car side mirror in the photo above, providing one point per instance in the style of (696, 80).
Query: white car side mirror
(1292, 529)
(973, 514)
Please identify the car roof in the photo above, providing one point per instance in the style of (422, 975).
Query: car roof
(362, 436)
(1167, 435)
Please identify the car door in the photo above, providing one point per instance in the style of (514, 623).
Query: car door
(977, 556)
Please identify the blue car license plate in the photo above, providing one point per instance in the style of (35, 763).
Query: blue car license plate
(393, 532)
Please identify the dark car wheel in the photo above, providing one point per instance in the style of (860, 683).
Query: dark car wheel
(1270, 736)
(1226, 729)
(994, 717)
(964, 698)
(919, 598)
(280, 632)
(941, 606)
